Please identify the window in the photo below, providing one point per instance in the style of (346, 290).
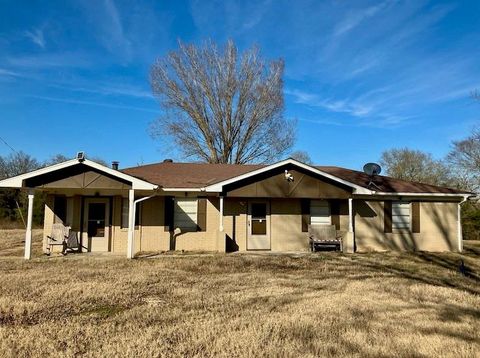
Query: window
(319, 212)
(60, 209)
(400, 215)
(185, 214)
(124, 222)
(259, 219)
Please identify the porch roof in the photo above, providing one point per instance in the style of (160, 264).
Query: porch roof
(30, 179)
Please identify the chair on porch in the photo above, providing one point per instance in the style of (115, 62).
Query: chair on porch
(62, 236)
(325, 237)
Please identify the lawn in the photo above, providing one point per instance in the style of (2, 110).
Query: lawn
(329, 304)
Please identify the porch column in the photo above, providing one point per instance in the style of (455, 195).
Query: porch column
(350, 214)
(351, 234)
(131, 223)
(220, 227)
(28, 233)
(459, 228)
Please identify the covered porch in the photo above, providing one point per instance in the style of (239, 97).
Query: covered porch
(89, 200)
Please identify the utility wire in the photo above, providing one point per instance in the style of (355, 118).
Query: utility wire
(8, 145)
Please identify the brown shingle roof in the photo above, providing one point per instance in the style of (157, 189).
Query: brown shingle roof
(188, 175)
(198, 175)
(386, 184)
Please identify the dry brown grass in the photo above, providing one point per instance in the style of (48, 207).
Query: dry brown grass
(239, 305)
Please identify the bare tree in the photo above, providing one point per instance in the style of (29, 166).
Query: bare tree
(415, 165)
(17, 163)
(59, 158)
(12, 201)
(465, 160)
(222, 107)
(301, 156)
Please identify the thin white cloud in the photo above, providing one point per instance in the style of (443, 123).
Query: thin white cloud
(256, 14)
(49, 60)
(355, 18)
(91, 103)
(110, 89)
(333, 105)
(114, 26)
(4, 72)
(37, 36)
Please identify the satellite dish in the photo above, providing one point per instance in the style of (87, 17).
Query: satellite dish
(372, 169)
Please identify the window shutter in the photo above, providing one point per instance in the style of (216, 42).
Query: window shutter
(169, 208)
(416, 217)
(305, 203)
(387, 210)
(335, 213)
(202, 214)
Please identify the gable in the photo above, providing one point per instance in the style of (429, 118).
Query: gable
(274, 185)
(87, 180)
(69, 174)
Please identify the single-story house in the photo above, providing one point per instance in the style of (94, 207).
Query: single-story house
(223, 207)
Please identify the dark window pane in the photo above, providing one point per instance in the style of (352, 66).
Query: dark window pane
(96, 228)
(259, 210)
(137, 214)
(96, 211)
(60, 208)
(96, 220)
(259, 227)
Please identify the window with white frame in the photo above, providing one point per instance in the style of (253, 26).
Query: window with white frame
(125, 208)
(320, 212)
(185, 214)
(400, 215)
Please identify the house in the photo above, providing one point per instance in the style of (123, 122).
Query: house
(221, 207)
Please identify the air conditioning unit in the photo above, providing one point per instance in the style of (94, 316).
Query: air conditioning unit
(80, 156)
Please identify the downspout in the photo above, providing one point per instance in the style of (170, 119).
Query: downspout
(135, 202)
(459, 223)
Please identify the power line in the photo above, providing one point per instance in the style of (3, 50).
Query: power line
(8, 145)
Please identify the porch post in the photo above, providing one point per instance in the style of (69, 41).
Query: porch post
(350, 214)
(28, 233)
(131, 223)
(351, 234)
(459, 228)
(220, 228)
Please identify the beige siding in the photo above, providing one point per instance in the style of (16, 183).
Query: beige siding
(438, 228)
(89, 179)
(438, 224)
(151, 235)
(285, 223)
(118, 235)
(203, 240)
(73, 217)
(286, 226)
(235, 223)
(303, 186)
(48, 219)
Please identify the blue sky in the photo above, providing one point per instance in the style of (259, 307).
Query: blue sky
(360, 77)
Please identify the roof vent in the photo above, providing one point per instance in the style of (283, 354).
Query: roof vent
(115, 165)
(168, 160)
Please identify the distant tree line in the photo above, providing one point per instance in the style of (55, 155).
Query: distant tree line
(460, 169)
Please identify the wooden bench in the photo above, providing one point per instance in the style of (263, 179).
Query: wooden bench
(324, 237)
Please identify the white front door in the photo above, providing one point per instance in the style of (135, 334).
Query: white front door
(258, 237)
(96, 224)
